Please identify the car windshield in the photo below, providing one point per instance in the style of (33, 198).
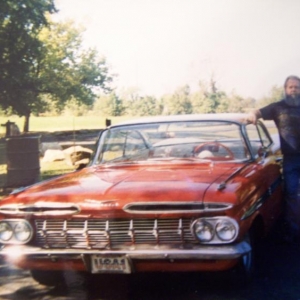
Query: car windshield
(194, 141)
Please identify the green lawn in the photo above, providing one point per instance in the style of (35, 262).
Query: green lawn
(52, 169)
(61, 122)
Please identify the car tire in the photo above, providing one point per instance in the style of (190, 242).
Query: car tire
(48, 278)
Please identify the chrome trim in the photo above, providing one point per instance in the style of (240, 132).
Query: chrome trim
(174, 207)
(113, 234)
(264, 197)
(150, 252)
(40, 209)
(110, 234)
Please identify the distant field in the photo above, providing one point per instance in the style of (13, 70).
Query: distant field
(61, 123)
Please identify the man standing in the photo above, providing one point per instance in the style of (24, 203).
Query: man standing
(286, 115)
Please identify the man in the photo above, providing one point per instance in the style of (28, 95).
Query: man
(286, 115)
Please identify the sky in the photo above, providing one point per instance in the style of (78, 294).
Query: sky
(247, 46)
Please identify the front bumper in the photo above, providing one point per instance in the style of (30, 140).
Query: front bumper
(203, 252)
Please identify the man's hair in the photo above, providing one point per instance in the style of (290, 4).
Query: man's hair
(292, 77)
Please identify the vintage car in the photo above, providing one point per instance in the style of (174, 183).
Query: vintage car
(171, 193)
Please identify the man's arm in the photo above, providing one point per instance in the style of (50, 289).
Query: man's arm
(254, 116)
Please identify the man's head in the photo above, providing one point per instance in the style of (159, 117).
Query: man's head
(292, 90)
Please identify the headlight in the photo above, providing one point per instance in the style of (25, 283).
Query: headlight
(15, 231)
(215, 230)
(23, 232)
(226, 230)
(6, 232)
(203, 230)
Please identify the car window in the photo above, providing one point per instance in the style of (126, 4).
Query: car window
(123, 143)
(214, 140)
(258, 138)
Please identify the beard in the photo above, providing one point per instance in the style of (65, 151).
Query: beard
(293, 100)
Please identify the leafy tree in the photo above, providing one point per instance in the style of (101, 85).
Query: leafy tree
(217, 97)
(109, 105)
(231, 104)
(59, 70)
(179, 102)
(276, 93)
(201, 104)
(207, 99)
(145, 106)
(66, 70)
(130, 96)
(118, 106)
(73, 108)
(20, 24)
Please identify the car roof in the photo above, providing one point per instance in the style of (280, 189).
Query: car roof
(234, 117)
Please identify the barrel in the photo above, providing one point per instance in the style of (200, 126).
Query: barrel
(23, 160)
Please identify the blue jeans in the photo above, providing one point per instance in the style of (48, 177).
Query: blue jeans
(291, 176)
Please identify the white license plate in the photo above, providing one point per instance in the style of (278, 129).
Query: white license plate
(110, 264)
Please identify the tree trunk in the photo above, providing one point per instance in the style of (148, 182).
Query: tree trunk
(26, 123)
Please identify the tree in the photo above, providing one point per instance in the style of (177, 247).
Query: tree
(73, 108)
(207, 99)
(109, 105)
(231, 104)
(20, 24)
(66, 70)
(129, 96)
(60, 70)
(216, 97)
(145, 106)
(201, 104)
(179, 102)
(276, 93)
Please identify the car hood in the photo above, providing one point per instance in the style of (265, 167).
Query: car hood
(114, 188)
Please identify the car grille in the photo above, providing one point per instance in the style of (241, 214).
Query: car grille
(93, 234)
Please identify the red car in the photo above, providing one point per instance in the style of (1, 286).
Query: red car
(171, 193)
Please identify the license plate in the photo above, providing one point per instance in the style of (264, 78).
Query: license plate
(110, 264)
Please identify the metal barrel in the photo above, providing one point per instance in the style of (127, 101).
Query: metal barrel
(23, 160)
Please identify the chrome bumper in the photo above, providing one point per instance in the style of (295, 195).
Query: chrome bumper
(204, 252)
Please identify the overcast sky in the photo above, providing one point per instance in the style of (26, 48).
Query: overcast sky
(158, 45)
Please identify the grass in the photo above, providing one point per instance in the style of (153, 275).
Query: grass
(52, 169)
(60, 123)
